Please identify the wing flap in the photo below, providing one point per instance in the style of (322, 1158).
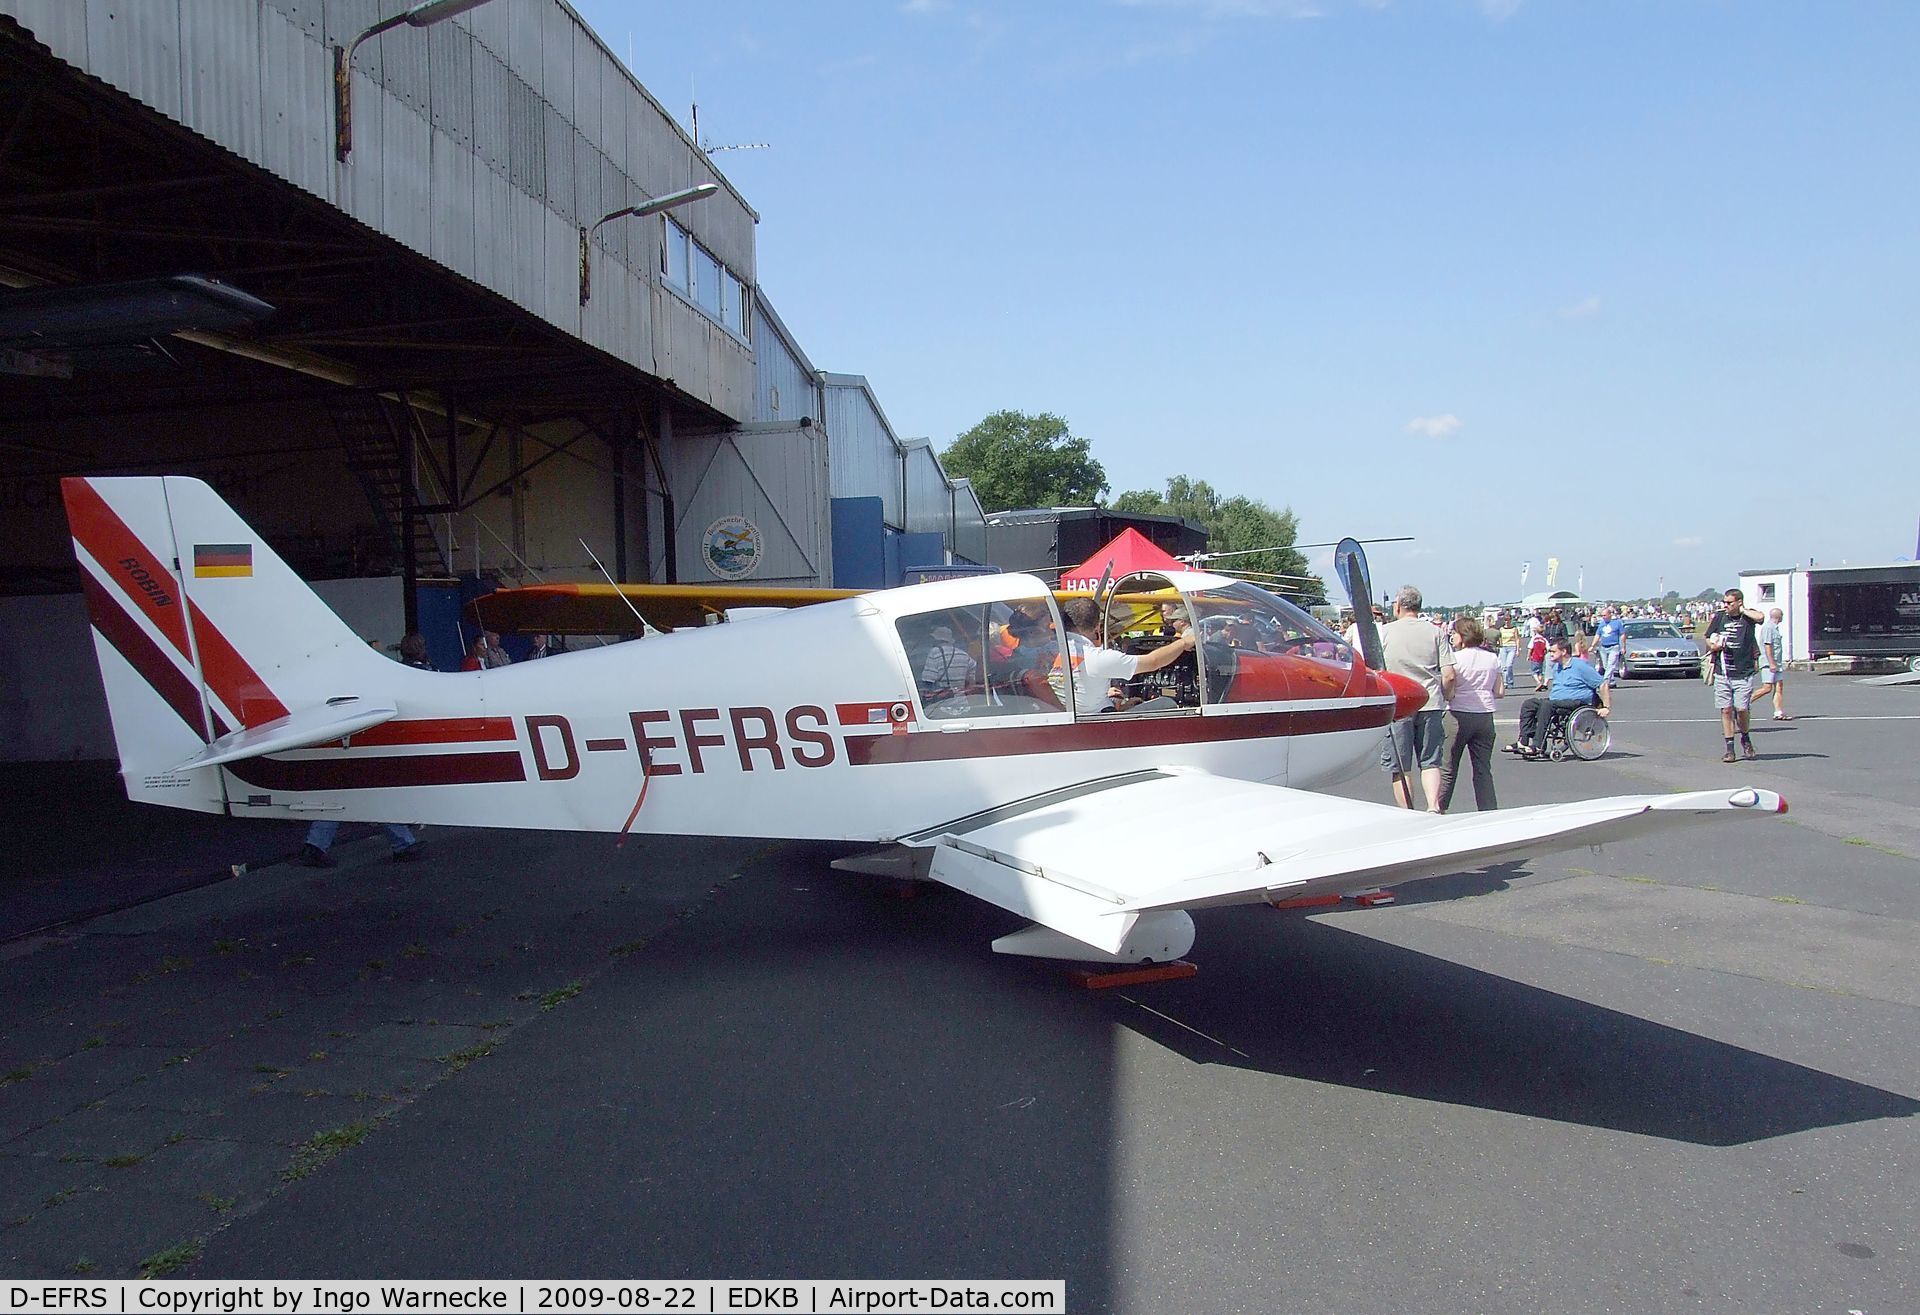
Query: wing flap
(301, 729)
(1094, 918)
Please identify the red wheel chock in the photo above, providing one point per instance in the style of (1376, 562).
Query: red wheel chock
(1094, 980)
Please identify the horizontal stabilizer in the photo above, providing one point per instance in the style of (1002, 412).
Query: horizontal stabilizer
(333, 720)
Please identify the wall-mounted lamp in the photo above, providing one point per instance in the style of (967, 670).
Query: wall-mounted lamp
(426, 15)
(653, 207)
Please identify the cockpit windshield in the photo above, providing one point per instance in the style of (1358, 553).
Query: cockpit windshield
(1245, 631)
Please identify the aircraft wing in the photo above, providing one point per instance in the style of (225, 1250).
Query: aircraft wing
(603, 609)
(1091, 861)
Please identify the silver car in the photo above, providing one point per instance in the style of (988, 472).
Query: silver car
(1658, 648)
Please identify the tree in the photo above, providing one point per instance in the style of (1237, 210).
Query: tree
(1020, 460)
(1232, 525)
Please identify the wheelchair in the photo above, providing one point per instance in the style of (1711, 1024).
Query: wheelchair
(1580, 732)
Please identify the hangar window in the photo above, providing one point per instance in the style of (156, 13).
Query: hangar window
(675, 269)
(733, 303)
(693, 271)
(706, 281)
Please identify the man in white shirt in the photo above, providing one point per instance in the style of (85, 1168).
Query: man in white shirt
(1773, 665)
(1095, 668)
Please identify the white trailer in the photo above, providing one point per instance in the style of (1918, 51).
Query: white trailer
(1843, 611)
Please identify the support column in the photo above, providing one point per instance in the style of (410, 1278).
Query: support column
(623, 444)
(665, 440)
(409, 531)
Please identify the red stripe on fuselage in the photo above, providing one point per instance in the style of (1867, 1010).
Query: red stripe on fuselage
(121, 555)
(304, 774)
(438, 730)
(143, 655)
(1110, 732)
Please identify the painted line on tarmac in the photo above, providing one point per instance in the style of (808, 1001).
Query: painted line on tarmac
(1701, 721)
(1177, 1023)
(1715, 721)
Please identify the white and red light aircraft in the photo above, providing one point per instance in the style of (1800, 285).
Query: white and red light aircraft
(234, 689)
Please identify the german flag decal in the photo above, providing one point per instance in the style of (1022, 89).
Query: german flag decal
(222, 559)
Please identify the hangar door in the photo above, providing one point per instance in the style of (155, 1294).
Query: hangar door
(751, 505)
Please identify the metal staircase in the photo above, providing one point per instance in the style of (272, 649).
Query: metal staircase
(378, 452)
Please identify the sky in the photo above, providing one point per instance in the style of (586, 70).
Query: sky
(1633, 284)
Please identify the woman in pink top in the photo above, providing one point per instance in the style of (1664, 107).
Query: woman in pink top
(1477, 685)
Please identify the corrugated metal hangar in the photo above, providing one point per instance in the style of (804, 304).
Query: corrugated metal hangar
(473, 311)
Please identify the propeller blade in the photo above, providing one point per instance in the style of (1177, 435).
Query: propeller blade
(1350, 564)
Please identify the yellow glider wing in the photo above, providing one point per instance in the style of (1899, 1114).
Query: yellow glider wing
(602, 609)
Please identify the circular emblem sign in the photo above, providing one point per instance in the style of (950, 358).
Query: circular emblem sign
(732, 547)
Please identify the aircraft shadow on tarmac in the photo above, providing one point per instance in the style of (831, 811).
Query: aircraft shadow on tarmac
(1460, 885)
(1306, 999)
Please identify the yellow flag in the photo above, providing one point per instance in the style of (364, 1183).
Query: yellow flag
(1553, 569)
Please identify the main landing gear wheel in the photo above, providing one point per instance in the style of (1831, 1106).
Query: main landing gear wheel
(1588, 734)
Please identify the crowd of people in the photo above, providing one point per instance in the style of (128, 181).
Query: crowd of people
(1573, 659)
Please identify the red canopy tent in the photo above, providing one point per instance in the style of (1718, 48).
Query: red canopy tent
(1130, 551)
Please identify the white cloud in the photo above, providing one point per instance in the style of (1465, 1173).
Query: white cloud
(923, 6)
(1689, 541)
(1581, 310)
(1445, 426)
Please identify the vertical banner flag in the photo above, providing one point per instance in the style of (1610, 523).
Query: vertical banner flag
(1581, 587)
(1553, 569)
(1525, 567)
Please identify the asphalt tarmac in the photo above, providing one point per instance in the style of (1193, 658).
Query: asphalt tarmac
(1675, 1075)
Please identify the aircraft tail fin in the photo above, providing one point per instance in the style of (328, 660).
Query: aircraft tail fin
(200, 630)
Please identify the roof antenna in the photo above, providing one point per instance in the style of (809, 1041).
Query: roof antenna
(707, 148)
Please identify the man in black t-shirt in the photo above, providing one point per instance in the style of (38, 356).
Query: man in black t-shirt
(1735, 655)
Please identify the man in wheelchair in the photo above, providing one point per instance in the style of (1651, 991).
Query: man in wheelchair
(1575, 685)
